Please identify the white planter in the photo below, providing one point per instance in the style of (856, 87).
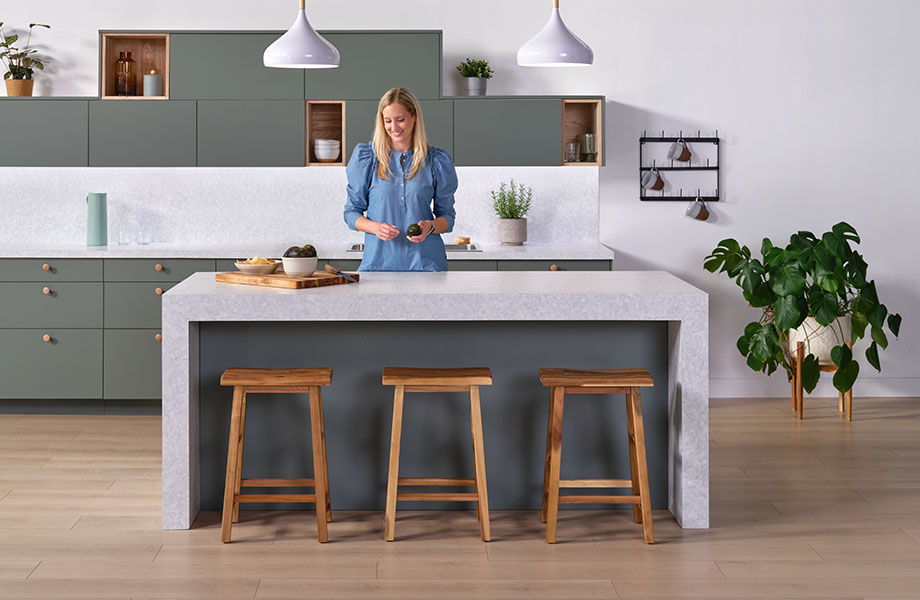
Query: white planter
(820, 340)
(512, 232)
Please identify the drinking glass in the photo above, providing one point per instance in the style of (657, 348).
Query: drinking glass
(572, 152)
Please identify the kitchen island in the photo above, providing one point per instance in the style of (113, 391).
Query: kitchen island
(523, 321)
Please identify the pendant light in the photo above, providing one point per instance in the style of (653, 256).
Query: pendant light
(301, 47)
(555, 46)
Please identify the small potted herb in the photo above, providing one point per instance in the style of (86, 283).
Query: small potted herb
(19, 63)
(476, 73)
(511, 205)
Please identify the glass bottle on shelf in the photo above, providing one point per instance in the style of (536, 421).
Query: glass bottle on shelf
(125, 75)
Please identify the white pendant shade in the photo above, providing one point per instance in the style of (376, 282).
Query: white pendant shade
(555, 46)
(301, 48)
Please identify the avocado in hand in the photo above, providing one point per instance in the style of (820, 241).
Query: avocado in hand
(297, 252)
(414, 230)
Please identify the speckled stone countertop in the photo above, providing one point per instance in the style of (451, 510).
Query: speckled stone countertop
(459, 296)
(337, 251)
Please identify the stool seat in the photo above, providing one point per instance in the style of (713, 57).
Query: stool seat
(436, 377)
(276, 377)
(596, 378)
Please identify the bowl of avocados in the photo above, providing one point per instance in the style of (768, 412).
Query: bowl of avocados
(299, 261)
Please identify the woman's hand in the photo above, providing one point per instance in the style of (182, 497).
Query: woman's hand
(427, 226)
(385, 231)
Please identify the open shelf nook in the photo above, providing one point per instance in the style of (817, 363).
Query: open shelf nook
(580, 117)
(325, 120)
(148, 50)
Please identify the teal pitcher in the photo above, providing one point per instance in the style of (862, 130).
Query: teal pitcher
(97, 233)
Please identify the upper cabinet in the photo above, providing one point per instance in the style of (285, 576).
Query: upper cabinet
(505, 131)
(373, 62)
(250, 133)
(43, 133)
(228, 66)
(142, 134)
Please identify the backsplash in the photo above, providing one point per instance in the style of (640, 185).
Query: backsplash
(276, 205)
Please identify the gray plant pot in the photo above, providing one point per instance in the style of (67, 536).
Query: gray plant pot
(512, 232)
(476, 86)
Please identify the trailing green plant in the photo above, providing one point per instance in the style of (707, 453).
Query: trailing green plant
(822, 277)
(20, 64)
(510, 202)
(475, 68)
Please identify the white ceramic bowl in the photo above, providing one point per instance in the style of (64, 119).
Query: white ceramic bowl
(258, 269)
(299, 267)
(326, 153)
(325, 142)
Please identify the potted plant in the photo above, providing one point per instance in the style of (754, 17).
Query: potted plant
(476, 74)
(511, 205)
(19, 63)
(813, 281)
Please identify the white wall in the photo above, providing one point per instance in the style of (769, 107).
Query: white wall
(816, 100)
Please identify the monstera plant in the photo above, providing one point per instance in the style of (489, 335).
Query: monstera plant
(821, 277)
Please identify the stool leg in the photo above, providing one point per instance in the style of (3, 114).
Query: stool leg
(840, 403)
(555, 461)
(239, 460)
(322, 431)
(794, 382)
(633, 464)
(850, 404)
(549, 443)
(319, 475)
(479, 460)
(233, 448)
(799, 390)
(389, 533)
(639, 429)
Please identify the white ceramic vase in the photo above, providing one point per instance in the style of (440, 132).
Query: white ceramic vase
(819, 339)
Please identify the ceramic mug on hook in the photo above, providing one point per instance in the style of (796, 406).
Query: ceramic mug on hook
(651, 180)
(697, 210)
(679, 151)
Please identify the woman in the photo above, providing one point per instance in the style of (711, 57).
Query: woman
(394, 180)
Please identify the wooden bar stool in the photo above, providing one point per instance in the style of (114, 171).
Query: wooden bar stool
(618, 381)
(845, 401)
(437, 380)
(276, 381)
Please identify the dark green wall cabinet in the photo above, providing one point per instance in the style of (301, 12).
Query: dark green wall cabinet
(142, 133)
(508, 132)
(43, 133)
(251, 133)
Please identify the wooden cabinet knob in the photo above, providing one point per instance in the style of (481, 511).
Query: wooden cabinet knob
(158, 267)
(158, 337)
(158, 291)
(553, 268)
(46, 290)
(46, 267)
(46, 338)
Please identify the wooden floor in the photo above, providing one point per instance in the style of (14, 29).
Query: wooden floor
(819, 508)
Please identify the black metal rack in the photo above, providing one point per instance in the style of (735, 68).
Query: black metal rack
(644, 194)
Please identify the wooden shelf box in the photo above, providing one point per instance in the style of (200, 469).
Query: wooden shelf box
(579, 117)
(325, 120)
(148, 50)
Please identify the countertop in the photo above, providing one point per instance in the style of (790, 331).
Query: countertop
(590, 251)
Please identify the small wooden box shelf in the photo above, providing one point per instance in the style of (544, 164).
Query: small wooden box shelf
(325, 120)
(579, 117)
(148, 50)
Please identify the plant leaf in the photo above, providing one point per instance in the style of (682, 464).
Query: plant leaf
(712, 265)
(764, 343)
(754, 363)
(11, 39)
(845, 376)
(845, 231)
(859, 324)
(879, 337)
(835, 245)
(824, 307)
(872, 356)
(877, 315)
(788, 280)
(762, 296)
(894, 324)
(743, 345)
(790, 311)
(869, 293)
(810, 373)
(841, 355)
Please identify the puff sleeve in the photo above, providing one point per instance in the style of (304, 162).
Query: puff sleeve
(444, 178)
(359, 171)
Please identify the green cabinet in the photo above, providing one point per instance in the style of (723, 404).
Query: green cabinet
(228, 66)
(508, 131)
(155, 270)
(132, 364)
(251, 133)
(68, 365)
(43, 133)
(49, 270)
(360, 118)
(65, 304)
(133, 305)
(142, 133)
(471, 265)
(561, 265)
(373, 62)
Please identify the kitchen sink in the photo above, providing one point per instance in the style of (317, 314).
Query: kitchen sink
(447, 247)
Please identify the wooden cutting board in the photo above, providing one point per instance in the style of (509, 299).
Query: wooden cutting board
(282, 280)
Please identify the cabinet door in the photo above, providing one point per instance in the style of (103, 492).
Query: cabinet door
(228, 66)
(438, 115)
(133, 364)
(508, 132)
(373, 62)
(67, 304)
(43, 133)
(59, 269)
(561, 265)
(67, 366)
(133, 305)
(251, 133)
(471, 265)
(145, 269)
(141, 133)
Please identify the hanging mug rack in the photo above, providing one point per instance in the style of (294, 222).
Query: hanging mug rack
(669, 165)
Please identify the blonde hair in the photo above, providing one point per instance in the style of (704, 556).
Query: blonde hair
(382, 143)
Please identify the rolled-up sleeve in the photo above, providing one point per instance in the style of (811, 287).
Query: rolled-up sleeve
(445, 185)
(359, 171)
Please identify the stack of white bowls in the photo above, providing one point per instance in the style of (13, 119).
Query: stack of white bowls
(326, 150)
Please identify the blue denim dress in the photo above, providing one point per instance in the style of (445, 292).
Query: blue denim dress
(401, 202)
